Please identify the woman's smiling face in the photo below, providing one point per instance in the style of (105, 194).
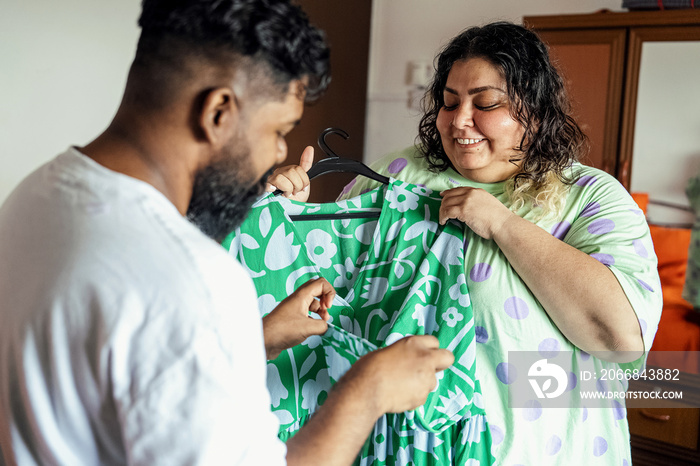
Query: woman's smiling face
(477, 131)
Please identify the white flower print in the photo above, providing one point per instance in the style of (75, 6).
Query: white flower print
(278, 391)
(266, 303)
(402, 199)
(422, 191)
(321, 249)
(313, 388)
(312, 342)
(456, 291)
(425, 316)
(452, 317)
(347, 273)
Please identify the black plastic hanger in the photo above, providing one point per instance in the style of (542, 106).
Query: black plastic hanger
(331, 164)
(334, 163)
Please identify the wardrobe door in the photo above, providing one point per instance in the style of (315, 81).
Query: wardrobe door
(347, 28)
(592, 65)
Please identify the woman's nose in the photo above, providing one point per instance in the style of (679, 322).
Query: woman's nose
(463, 116)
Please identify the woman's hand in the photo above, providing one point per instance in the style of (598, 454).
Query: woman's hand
(292, 180)
(479, 210)
(289, 323)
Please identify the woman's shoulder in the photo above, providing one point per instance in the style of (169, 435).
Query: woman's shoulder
(586, 176)
(405, 165)
(397, 162)
(592, 185)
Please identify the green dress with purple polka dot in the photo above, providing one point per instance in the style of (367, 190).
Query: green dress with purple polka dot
(599, 218)
(398, 273)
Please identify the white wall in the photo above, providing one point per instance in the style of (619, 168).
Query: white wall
(406, 30)
(667, 127)
(64, 67)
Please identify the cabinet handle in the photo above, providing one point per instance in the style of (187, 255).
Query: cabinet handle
(655, 417)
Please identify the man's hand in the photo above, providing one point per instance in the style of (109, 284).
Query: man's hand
(292, 180)
(400, 376)
(290, 323)
(393, 379)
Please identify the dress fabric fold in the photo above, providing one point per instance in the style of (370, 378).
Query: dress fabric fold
(396, 275)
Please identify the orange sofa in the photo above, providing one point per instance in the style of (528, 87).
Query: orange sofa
(679, 328)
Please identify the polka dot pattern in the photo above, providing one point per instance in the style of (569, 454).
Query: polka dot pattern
(516, 308)
(482, 336)
(605, 259)
(553, 445)
(532, 410)
(643, 326)
(349, 186)
(600, 446)
(645, 285)
(573, 381)
(561, 229)
(601, 386)
(618, 410)
(590, 210)
(549, 347)
(497, 434)
(397, 165)
(480, 272)
(586, 180)
(640, 249)
(506, 373)
(601, 226)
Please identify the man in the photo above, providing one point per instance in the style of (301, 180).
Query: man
(128, 336)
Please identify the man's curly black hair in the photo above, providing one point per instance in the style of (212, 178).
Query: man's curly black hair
(273, 33)
(552, 139)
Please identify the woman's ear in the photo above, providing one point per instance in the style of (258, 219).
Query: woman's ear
(219, 115)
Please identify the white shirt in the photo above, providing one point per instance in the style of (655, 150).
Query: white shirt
(126, 335)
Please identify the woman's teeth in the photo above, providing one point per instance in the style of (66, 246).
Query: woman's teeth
(469, 141)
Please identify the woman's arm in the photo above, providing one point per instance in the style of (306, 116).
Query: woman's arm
(581, 295)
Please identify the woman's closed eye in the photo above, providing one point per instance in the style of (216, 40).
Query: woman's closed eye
(487, 107)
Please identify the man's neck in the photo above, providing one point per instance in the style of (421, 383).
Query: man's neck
(153, 158)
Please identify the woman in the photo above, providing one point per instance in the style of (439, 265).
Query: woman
(559, 258)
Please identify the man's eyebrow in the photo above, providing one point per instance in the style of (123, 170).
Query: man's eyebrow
(476, 90)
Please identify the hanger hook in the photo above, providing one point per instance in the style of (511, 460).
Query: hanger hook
(324, 145)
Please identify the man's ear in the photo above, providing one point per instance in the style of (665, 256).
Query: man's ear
(219, 115)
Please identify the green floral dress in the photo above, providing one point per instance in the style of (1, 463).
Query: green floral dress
(398, 273)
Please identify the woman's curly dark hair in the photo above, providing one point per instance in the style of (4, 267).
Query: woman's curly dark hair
(552, 139)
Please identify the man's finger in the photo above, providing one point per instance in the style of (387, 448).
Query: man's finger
(318, 288)
(322, 313)
(316, 327)
(428, 341)
(443, 359)
(307, 158)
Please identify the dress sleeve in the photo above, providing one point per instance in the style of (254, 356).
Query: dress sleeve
(608, 225)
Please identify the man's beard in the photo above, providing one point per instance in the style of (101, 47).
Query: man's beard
(222, 195)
